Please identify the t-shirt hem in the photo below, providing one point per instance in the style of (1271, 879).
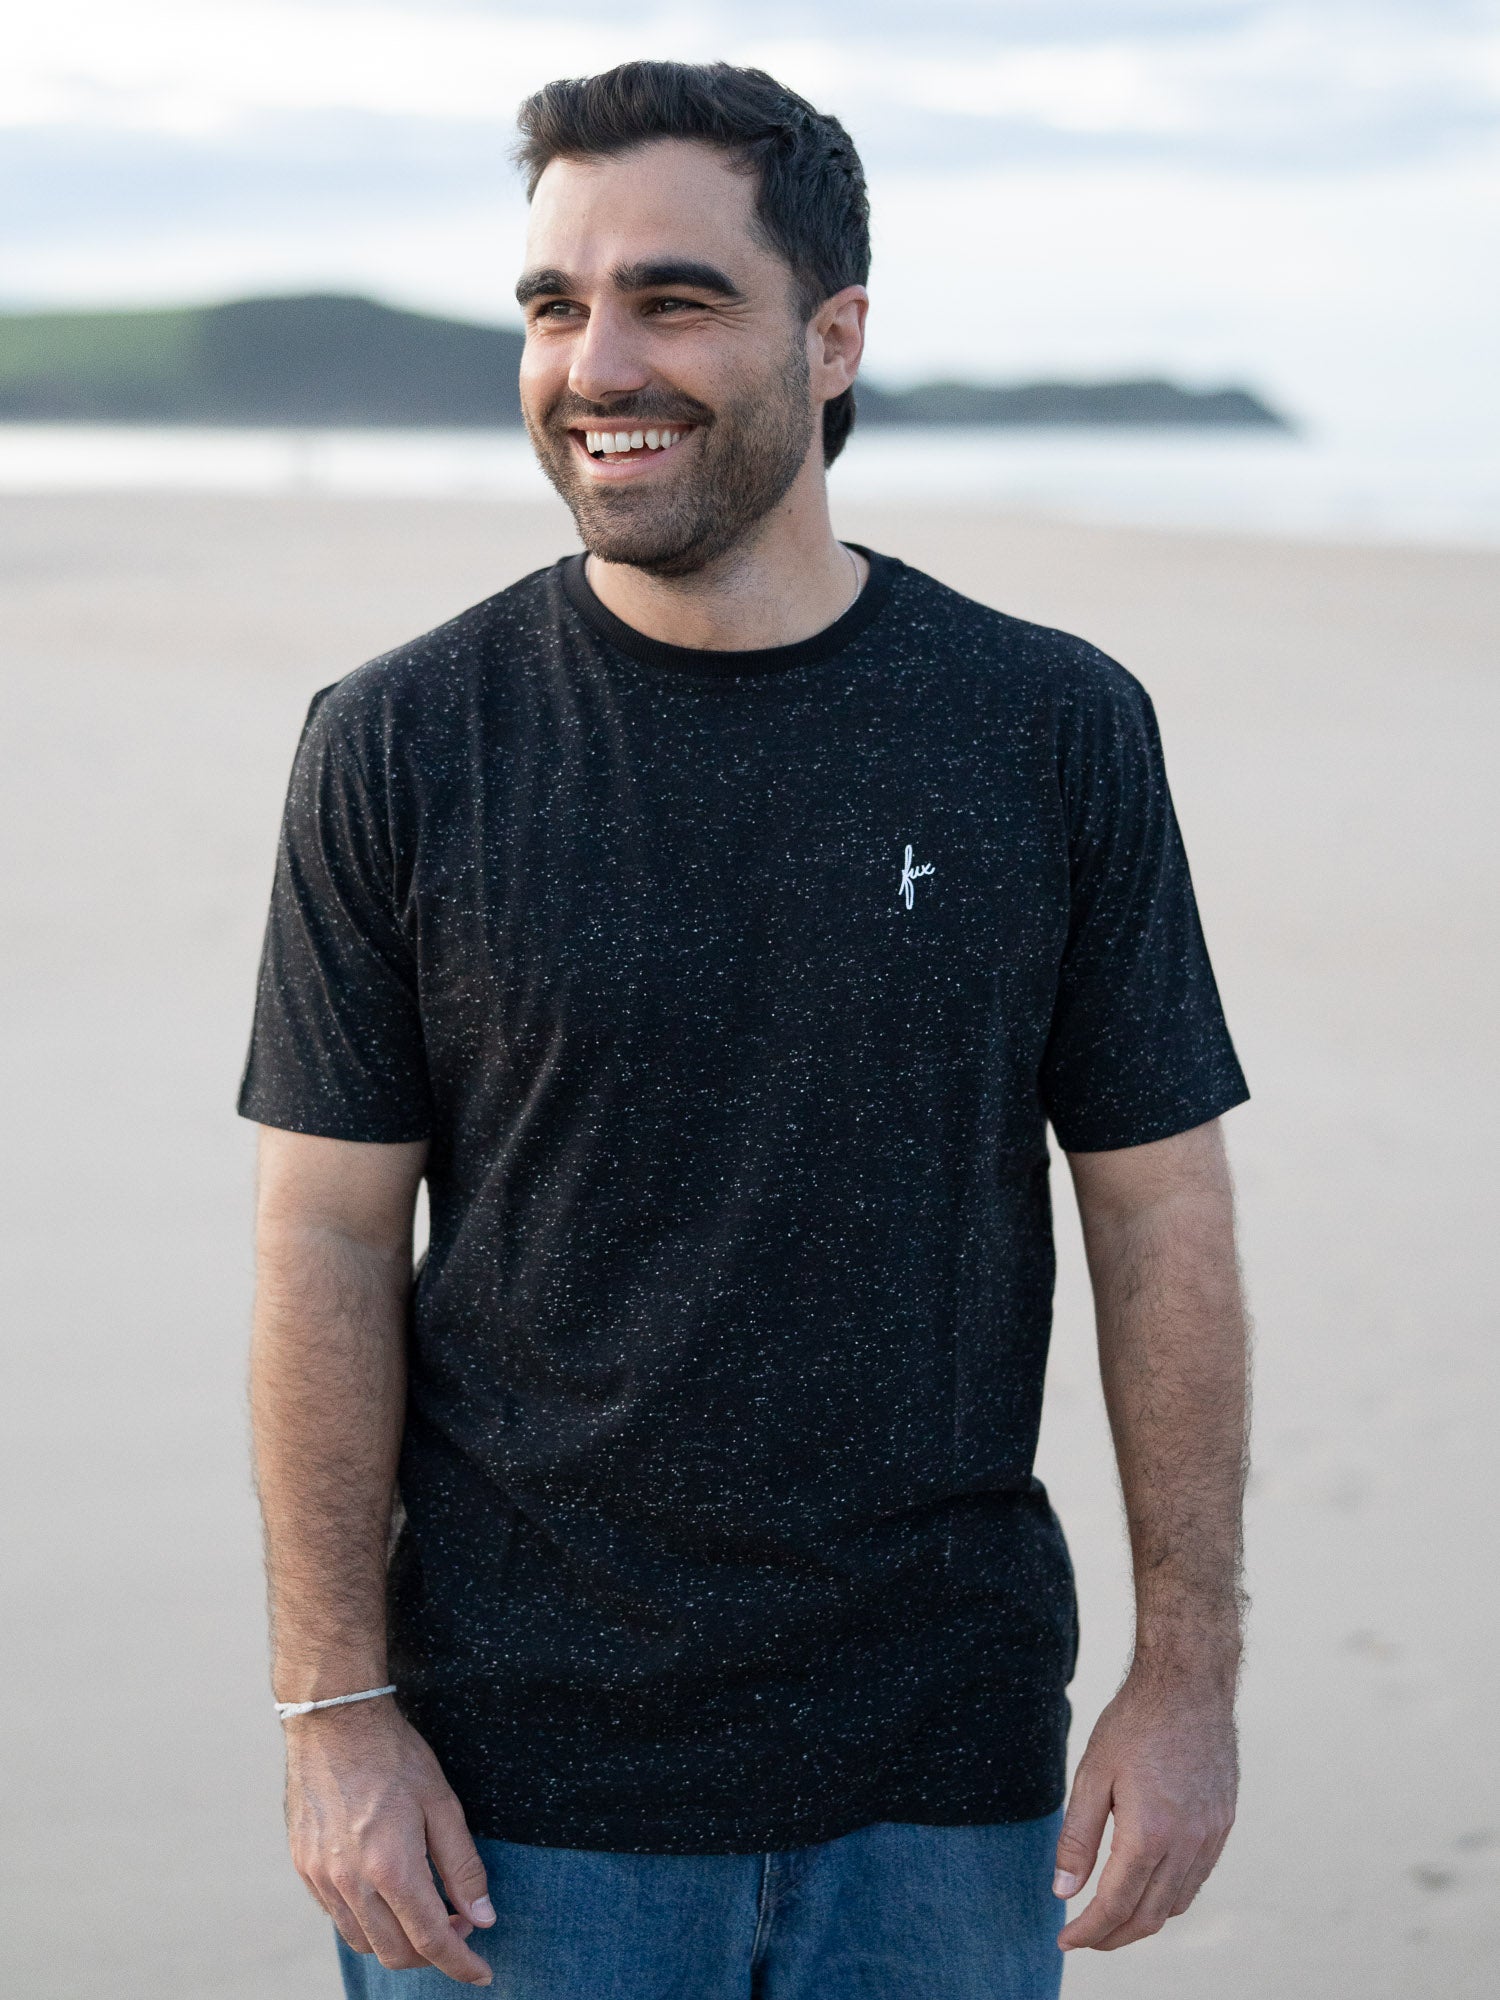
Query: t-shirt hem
(744, 1836)
(332, 1125)
(1144, 1132)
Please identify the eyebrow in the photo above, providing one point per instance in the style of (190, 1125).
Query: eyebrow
(644, 277)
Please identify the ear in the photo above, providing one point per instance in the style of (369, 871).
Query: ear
(836, 340)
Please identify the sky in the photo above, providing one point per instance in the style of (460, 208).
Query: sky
(1302, 197)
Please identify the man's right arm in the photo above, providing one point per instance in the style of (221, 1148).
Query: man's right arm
(366, 1800)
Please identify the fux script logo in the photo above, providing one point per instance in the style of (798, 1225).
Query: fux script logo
(910, 875)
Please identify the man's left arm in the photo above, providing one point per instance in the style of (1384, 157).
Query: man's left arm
(1158, 1228)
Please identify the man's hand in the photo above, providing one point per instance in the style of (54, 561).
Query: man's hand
(1158, 1226)
(367, 1804)
(1162, 1760)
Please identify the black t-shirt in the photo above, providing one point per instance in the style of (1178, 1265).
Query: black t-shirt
(734, 993)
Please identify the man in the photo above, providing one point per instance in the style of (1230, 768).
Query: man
(715, 921)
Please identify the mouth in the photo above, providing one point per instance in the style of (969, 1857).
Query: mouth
(628, 453)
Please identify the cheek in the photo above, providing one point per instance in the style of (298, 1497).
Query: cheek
(543, 376)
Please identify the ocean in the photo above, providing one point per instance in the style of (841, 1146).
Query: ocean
(1260, 482)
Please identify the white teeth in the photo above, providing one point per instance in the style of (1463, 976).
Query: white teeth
(617, 443)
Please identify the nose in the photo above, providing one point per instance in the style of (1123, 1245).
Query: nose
(609, 360)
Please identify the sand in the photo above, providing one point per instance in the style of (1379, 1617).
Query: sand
(1329, 716)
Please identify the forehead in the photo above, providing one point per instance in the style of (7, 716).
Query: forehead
(670, 198)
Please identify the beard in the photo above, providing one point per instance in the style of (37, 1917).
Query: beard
(744, 456)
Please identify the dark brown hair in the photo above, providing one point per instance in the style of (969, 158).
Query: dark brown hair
(811, 204)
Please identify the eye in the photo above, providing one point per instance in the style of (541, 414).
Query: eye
(555, 309)
(673, 305)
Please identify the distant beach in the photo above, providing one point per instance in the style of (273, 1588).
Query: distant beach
(1378, 487)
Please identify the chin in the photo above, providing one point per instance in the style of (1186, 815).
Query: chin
(660, 547)
(673, 533)
(655, 559)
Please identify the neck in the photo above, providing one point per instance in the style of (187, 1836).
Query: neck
(785, 582)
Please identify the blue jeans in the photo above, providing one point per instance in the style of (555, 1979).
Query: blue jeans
(890, 1912)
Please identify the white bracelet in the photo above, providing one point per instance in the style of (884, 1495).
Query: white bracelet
(288, 1708)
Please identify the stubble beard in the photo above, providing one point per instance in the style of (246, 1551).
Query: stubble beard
(744, 458)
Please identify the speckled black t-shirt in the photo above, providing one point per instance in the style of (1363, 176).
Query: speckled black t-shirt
(734, 993)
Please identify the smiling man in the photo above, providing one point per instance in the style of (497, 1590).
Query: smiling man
(663, 1601)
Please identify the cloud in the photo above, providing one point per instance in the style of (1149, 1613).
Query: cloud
(1286, 85)
(75, 181)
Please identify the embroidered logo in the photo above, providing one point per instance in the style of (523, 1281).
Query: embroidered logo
(909, 875)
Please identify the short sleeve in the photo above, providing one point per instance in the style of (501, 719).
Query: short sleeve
(1138, 1047)
(336, 1047)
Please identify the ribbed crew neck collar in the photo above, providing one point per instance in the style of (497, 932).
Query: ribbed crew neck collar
(729, 665)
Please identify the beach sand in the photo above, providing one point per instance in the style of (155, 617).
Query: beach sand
(1329, 717)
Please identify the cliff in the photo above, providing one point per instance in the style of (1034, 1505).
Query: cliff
(331, 360)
